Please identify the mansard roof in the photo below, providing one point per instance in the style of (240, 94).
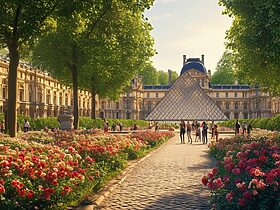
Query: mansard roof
(157, 87)
(230, 87)
(186, 100)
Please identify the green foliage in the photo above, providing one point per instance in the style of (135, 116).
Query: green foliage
(254, 38)
(162, 78)
(263, 123)
(149, 75)
(224, 73)
(88, 123)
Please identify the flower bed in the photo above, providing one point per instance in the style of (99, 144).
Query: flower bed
(247, 174)
(45, 170)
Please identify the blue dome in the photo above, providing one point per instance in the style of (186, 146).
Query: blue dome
(193, 64)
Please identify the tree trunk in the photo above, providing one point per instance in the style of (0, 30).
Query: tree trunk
(75, 79)
(75, 96)
(93, 93)
(12, 88)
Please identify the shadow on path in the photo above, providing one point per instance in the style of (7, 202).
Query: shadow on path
(181, 201)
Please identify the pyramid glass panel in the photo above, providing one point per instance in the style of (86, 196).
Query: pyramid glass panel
(186, 100)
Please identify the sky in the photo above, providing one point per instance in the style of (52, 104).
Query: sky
(187, 27)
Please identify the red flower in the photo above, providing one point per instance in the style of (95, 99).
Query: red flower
(204, 180)
(2, 189)
(30, 194)
(241, 201)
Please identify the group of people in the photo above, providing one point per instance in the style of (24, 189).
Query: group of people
(115, 126)
(200, 131)
(26, 126)
(245, 128)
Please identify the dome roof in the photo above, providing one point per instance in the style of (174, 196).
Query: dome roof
(193, 64)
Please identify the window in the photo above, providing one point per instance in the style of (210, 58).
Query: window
(21, 95)
(128, 115)
(54, 97)
(48, 97)
(218, 103)
(66, 99)
(236, 115)
(245, 105)
(60, 98)
(227, 105)
(156, 95)
(217, 95)
(148, 95)
(30, 96)
(103, 105)
(128, 105)
(245, 115)
(235, 95)
(257, 104)
(244, 95)
(117, 106)
(117, 115)
(226, 95)
(149, 105)
(235, 105)
(202, 82)
(4, 93)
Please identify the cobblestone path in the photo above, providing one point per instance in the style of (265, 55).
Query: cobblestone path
(169, 179)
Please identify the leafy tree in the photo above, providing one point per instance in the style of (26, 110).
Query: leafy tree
(162, 78)
(254, 38)
(20, 23)
(224, 73)
(116, 54)
(174, 76)
(91, 45)
(149, 75)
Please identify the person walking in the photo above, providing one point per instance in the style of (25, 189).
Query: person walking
(105, 126)
(204, 133)
(182, 131)
(244, 128)
(189, 132)
(2, 126)
(237, 127)
(212, 130)
(197, 132)
(216, 132)
(26, 126)
(249, 129)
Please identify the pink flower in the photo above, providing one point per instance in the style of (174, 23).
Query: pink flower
(229, 196)
(236, 171)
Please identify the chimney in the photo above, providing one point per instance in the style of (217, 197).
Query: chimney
(169, 77)
(209, 74)
(184, 59)
(202, 59)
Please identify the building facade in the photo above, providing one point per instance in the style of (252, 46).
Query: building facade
(40, 95)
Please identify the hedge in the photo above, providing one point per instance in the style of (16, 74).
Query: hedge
(85, 122)
(263, 123)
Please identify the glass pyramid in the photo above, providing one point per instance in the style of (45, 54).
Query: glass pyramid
(186, 100)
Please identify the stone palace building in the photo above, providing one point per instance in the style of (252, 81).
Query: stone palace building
(40, 95)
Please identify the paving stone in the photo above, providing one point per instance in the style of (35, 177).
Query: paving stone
(169, 179)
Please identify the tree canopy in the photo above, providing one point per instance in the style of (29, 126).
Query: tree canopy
(151, 76)
(98, 49)
(224, 73)
(254, 38)
(20, 23)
